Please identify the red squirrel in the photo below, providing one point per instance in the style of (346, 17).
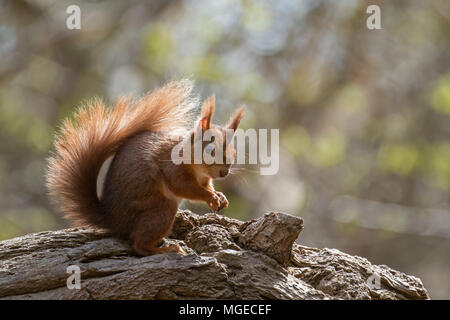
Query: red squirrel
(143, 187)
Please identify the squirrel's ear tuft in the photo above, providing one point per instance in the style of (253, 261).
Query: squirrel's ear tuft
(203, 124)
(208, 107)
(235, 120)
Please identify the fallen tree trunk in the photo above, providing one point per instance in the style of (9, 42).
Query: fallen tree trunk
(225, 259)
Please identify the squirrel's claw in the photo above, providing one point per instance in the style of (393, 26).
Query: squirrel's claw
(223, 201)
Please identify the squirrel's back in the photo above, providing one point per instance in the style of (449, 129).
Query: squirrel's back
(97, 132)
(134, 181)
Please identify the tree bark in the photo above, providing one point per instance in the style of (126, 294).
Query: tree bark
(225, 259)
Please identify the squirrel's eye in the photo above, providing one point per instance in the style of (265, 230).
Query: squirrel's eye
(210, 149)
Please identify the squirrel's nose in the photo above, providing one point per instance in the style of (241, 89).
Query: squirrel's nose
(224, 172)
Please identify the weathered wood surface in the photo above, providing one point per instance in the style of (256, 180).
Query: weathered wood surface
(226, 259)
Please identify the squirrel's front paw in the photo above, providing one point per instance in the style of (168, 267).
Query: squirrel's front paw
(214, 203)
(223, 200)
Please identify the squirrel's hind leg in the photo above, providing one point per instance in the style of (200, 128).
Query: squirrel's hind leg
(151, 228)
(147, 250)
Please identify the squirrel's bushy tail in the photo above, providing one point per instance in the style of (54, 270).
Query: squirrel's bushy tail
(96, 132)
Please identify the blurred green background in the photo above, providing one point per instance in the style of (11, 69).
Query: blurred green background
(364, 115)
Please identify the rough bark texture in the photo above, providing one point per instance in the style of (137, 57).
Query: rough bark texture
(226, 259)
